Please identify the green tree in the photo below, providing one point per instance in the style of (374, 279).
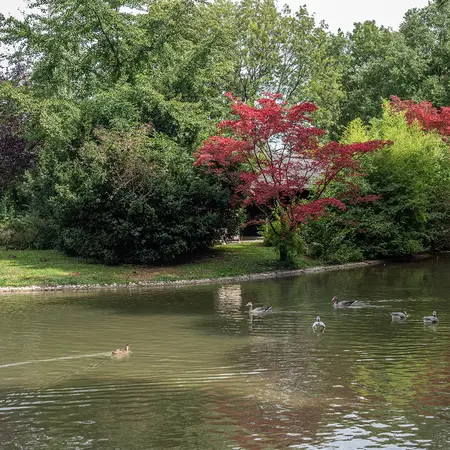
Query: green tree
(279, 51)
(94, 66)
(412, 178)
(379, 64)
(427, 32)
(411, 63)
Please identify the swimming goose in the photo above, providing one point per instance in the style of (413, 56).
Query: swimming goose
(343, 303)
(399, 315)
(318, 325)
(259, 309)
(121, 352)
(431, 319)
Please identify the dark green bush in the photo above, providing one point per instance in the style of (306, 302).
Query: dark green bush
(128, 197)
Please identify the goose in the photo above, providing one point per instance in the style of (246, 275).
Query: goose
(259, 309)
(431, 319)
(318, 325)
(399, 315)
(121, 352)
(343, 303)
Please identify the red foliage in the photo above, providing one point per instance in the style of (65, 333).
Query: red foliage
(271, 155)
(429, 117)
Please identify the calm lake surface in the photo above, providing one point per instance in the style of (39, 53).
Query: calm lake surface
(205, 375)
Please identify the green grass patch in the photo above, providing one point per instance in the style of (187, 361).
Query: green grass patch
(48, 267)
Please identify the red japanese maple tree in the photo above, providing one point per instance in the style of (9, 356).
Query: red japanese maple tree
(272, 157)
(429, 117)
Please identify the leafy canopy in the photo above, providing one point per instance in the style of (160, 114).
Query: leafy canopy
(272, 157)
(412, 178)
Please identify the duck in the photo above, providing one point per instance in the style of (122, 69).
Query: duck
(399, 315)
(431, 319)
(318, 325)
(259, 309)
(121, 352)
(343, 303)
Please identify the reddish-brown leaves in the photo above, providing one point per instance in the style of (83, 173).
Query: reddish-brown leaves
(429, 117)
(271, 154)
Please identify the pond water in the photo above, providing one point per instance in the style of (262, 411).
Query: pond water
(205, 375)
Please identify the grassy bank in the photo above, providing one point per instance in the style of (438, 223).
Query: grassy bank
(47, 267)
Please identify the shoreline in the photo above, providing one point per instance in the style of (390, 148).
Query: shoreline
(237, 278)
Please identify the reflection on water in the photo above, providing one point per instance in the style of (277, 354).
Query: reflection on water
(204, 374)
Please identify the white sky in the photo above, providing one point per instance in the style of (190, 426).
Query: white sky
(344, 13)
(337, 13)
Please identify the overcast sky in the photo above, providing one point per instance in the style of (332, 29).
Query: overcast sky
(336, 13)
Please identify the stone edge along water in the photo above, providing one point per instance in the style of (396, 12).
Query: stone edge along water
(248, 277)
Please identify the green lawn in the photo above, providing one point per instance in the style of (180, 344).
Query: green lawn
(48, 267)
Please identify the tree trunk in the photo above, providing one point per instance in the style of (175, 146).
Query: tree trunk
(284, 232)
(283, 253)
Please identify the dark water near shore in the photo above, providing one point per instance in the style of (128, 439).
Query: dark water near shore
(203, 375)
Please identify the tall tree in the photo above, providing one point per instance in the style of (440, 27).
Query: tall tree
(272, 159)
(379, 64)
(168, 63)
(72, 48)
(97, 69)
(427, 32)
(280, 51)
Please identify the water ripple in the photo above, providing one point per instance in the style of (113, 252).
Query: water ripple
(204, 374)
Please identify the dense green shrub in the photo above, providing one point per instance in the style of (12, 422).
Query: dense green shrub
(127, 197)
(20, 232)
(293, 242)
(331, 240)
(412, 178)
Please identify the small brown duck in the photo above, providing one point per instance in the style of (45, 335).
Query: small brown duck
(343, 303)
(121, 352)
